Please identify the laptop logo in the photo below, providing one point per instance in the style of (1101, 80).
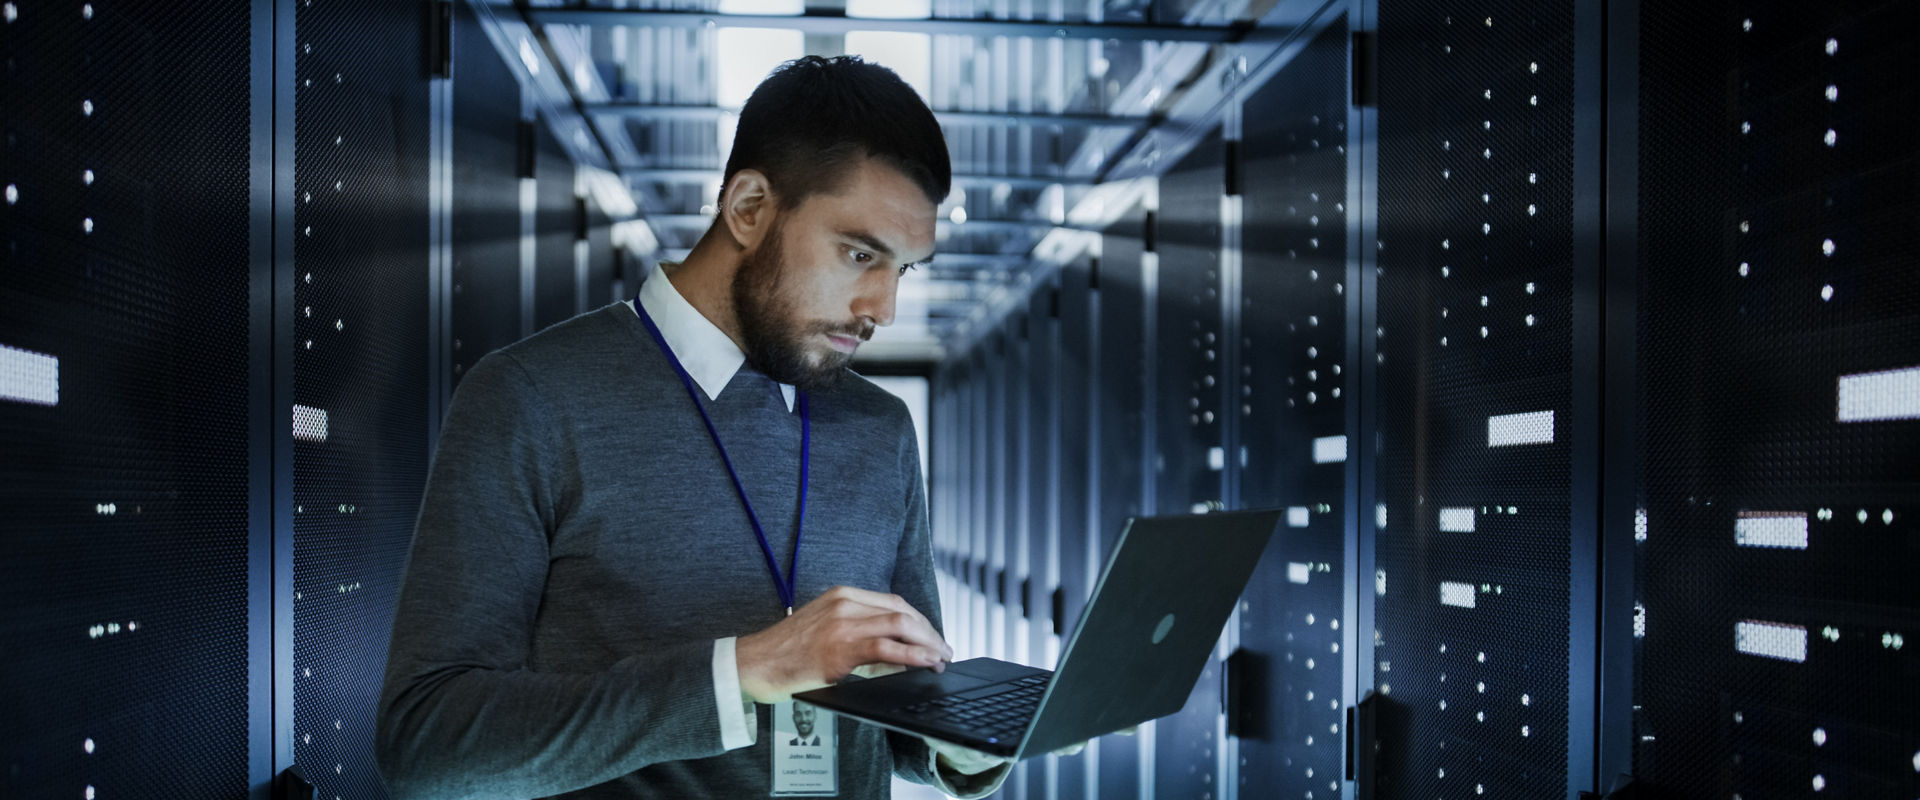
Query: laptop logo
(1166, 625)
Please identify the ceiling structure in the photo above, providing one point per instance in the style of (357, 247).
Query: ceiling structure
(1057, 115)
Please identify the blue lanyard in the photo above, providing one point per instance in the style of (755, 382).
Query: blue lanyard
(784, 585)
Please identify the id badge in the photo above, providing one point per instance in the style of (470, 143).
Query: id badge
(805, 755)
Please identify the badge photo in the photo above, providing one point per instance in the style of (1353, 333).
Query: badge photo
(805, 755)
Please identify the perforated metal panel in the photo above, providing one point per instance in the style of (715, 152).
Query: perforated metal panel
(124, 405)
(1474, 397)
(1778, 401)
(1189, 457)
(1296, 392)
(556, 279)
(360, 255)
(485, 200)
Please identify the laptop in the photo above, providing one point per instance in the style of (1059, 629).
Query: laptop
(1136, 654)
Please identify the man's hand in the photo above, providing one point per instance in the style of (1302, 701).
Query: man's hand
(827, 639)
(968, 761)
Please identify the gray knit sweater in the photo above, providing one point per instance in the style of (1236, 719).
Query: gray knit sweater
(580, 547)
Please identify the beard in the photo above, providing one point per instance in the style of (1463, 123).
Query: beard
(777, 343)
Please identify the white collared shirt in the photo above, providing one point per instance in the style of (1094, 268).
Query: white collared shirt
(711, 359)
(704, 351)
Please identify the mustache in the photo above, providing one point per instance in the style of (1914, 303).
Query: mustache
(861, 330)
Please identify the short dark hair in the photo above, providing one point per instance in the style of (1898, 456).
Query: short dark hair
(812, 117)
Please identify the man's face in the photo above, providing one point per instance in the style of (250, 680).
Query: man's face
(803, 719)
(825, 274)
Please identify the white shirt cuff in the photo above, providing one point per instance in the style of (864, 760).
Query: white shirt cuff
(739, 724)
(956, 781)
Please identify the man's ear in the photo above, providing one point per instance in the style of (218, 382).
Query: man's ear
(748, 208)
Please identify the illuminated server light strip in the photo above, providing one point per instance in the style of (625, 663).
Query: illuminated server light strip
(1771, 529)
(1298, 572)
(1297, 516)
(1875, 396)
(309, 424)
(29, 377)
(1329, 449)
(1456, 520)
(1771, 640)
(1457, 594)
(1533, 427)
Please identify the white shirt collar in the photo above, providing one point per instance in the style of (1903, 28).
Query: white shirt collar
(704, 351)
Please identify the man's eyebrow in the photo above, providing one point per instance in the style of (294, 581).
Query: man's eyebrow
(876, 245)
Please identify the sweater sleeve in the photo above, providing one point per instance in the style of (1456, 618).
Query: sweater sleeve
(913, 579)
(461, 714)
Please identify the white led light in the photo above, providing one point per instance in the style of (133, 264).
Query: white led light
(86, 108)
(1639, 621)
(1380, 515)
(1819, 783)
(1329, 449)
(1456, 520)
(13, 194)
(1298, 572)
(1831, 137)
(1380, 582)
(1826, 292)
(1535, 427)
(1833, 46)
(29, 377)
(1640, 524)
(1771, 529)
(87, 745)
(1819, 737)
(1771, 640)
(1297, 516)
(1874, 396)
(1744, 269)
(86, 225)
(1826, 247)
(1454, 593)
(1833, 93)
(309, 424)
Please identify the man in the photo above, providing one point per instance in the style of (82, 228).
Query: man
(645, 522)
(803, 716)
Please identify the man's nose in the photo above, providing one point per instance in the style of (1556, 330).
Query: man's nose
(878, 293)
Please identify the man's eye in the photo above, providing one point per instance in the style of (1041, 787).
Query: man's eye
(906, 268)
(861, 257)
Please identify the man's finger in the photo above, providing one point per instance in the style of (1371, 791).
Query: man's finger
(906, 629)
(882, 600)
(883, 650)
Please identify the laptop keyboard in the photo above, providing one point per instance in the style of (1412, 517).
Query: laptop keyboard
(1000, 715)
